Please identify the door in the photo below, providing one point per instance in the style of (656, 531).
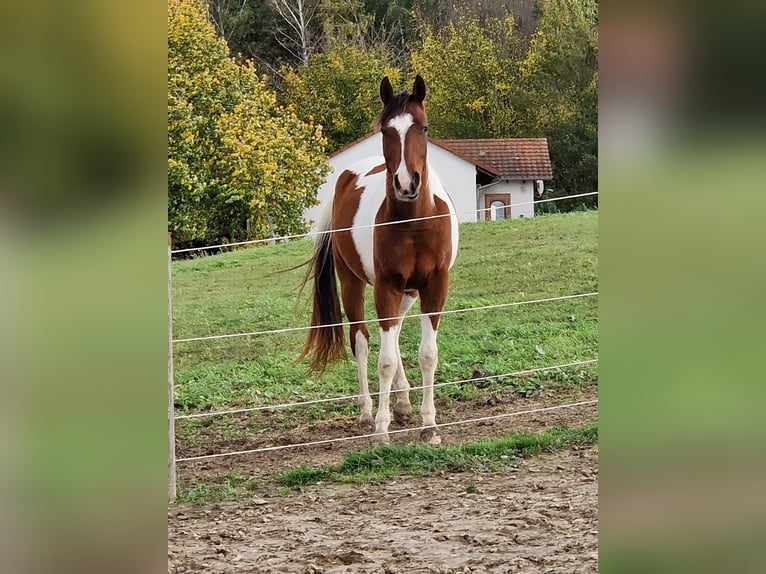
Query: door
(498, 206)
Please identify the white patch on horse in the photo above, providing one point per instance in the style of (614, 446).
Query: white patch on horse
(388, 360)
(372, 198)
(402, 123)
(437, 190)
(400, 381)
(361, 351)
(428, 355)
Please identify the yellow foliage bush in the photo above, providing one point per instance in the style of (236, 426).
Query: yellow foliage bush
(239, 165)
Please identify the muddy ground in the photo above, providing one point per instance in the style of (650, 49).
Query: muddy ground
(539, 515)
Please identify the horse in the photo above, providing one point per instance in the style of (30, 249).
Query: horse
(402, 256)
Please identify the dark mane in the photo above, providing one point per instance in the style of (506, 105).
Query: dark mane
(398, 101)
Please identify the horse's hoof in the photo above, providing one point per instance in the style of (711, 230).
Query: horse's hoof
(366, 424)
(403, 414)
(430, 436)
(379, 439)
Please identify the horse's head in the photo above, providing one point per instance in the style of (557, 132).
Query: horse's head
(404, 126)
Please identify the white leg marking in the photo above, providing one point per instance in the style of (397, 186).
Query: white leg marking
(401, 382)
(429, 355)
(387, 366)
(361, 351)
(402, 407)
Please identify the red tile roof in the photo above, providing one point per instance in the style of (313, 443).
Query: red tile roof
(516, 158)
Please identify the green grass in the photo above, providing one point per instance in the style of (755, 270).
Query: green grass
(421, 459)
(199, 492)
(498, 262)
(381, 462)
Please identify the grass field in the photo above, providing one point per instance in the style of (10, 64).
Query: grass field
(379, 463)
(498, 262)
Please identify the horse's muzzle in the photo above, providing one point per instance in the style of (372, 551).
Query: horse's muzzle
(411, 192)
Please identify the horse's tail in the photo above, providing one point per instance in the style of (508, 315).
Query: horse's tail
(324, 343)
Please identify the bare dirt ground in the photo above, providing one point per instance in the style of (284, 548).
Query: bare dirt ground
(540, 515)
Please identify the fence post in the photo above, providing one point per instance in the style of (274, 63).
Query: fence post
(171, 413)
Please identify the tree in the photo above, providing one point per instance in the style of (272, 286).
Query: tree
(559, 79)
(469, 70)
(294, 31)
(339, 91)
(438, 13)
(239, 165)
(357, 23)
(488, 80)
(344, 23)
(249, 28)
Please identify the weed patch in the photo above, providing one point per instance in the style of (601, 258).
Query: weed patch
(420, 459)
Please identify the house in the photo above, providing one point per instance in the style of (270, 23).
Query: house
(508, 172)
(486, 178)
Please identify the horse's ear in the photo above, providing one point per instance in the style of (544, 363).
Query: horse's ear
(419, 89)
(386, 90)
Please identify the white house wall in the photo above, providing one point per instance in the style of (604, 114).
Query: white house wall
(521, 193)
(525, 195)
(365, 148)
(457, 175)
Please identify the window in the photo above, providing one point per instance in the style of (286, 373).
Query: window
(498, 210)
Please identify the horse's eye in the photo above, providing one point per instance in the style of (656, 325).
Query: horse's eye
(425, 129)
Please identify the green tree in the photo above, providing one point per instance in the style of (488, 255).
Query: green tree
(239, 165)
(394, 26)
(559, 79)
(250, 30)
(344, 23)
(339, 91)
(470, 73)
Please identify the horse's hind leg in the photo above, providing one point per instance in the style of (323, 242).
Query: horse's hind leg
(352, 294)
(403, 407)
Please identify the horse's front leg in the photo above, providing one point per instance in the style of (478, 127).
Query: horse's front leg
(403, 407)
(361, 348)
(429, 357)
(387, 304)
(432, 302)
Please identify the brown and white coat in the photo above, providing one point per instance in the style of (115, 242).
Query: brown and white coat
(399, 233)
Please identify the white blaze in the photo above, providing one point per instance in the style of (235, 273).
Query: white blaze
(401, 124)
